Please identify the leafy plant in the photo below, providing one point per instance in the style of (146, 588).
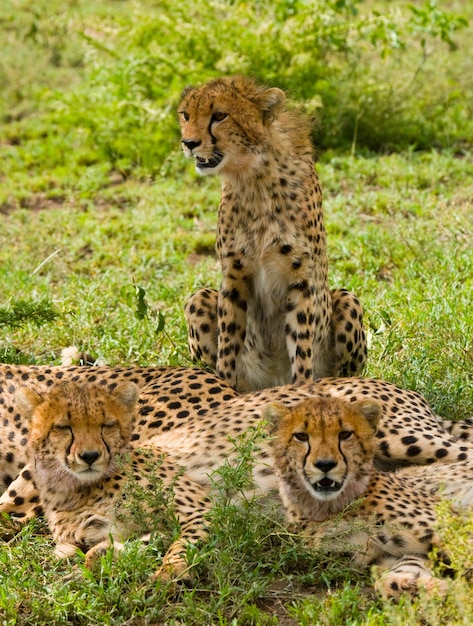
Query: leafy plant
(19, 314)
(22, 312)
(328, 66)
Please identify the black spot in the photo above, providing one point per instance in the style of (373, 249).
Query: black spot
(398, 541)
(145, 410)
(413, 451)
(302, 317)
(409, 440)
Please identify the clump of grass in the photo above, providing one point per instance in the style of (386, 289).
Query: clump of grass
(17, 315)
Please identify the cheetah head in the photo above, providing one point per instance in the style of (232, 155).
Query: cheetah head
(76, 431)
(224, 123)
(323, 451)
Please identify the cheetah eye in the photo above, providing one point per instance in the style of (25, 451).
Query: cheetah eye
(343, 435)
(185, 115)
(218, 116)
(301, 437)
(61, 427)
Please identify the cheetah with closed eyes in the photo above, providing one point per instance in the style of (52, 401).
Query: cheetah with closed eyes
(273, 321)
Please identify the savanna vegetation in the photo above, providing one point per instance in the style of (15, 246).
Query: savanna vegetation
(106, 230)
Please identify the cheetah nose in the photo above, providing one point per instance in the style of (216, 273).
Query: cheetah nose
(90, 457)
(325, 465)
(191, 143)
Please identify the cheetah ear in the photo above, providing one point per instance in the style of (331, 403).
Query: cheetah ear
(372, 411)
(273, 413)
(127, 395)
(186, 91)
(271, 101)
(27, 400)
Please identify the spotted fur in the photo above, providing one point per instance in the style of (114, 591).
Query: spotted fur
(273, 320)
(191, 417)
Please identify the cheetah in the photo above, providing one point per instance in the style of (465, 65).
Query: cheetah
(323, 451)
(190, 417)
(273, 321)
(79, 444)
(168, 397)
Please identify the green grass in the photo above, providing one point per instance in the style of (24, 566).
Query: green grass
(107, 227)
(399, 236)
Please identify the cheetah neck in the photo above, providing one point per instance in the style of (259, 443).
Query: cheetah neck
(259, 211)
(273, 183)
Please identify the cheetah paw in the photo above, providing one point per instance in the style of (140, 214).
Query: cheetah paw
(392, 585)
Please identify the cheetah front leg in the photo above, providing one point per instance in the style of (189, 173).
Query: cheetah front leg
(348, 336)
(96, 552)
(393, 574)
(231, 313)
(192, 504)
(306, 328)
(175, 565)
(201, 317)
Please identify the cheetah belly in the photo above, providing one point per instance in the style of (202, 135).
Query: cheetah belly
(265, 359)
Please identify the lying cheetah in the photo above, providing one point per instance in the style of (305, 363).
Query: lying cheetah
(79, 443)
(323, 451)
(274, 320)
(191, 416)
(177, 398)
(77, 431)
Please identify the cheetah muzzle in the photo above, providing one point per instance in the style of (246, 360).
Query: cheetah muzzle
(325, 488)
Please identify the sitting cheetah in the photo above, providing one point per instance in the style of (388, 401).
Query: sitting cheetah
(191, 416)
(274, 320)
(77, 432)
(323, 451)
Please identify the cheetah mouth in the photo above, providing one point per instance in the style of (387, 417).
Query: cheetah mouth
(326, 485)
(214, 160)
(89, 474)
